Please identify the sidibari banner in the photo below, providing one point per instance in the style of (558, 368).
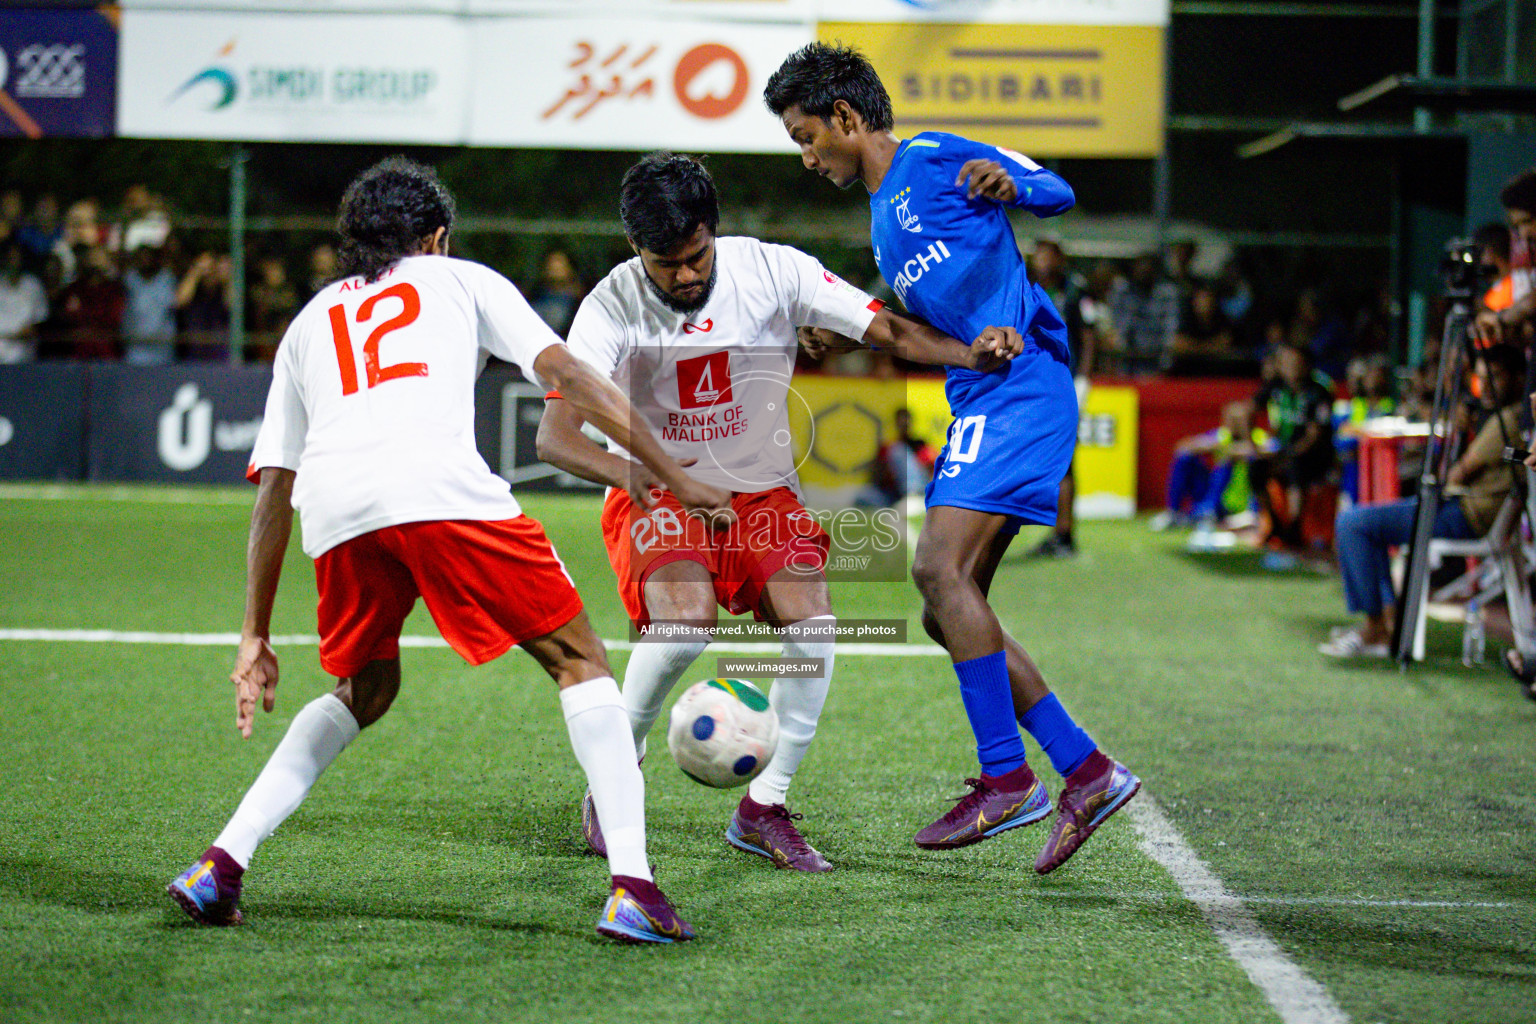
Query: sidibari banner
(293, 77)
(628, 84)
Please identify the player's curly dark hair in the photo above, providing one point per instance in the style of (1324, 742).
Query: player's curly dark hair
(664, 198)
(386, 212)
(1520, 192)
(819, 74)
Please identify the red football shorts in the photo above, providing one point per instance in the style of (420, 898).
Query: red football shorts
(488, 585)
(772, 531)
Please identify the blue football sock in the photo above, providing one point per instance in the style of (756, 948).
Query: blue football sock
(989, 705)
(1062, 739)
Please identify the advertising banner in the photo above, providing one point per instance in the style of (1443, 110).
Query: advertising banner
(799, 11)
(507, 414)
(604, 83)
(839, 424)
(1045, 90)
(58, 73)
(999, 12)
(294, 77)
(178, 424)
(42, 422)
(1019, 12)
(1106, 454)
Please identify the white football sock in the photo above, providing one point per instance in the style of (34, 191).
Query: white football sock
(599, 728)
(320, 731)
(653, 669)
(798, 704)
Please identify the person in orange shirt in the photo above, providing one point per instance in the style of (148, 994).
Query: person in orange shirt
(1492, 244)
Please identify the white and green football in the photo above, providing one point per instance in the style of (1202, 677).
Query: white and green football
(723, 732)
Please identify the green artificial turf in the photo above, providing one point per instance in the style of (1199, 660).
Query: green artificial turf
(437, 872)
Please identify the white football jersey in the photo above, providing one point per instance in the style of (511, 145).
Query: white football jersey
(714, 384)
(373, 398)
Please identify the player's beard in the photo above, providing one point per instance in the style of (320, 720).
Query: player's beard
(679, 306)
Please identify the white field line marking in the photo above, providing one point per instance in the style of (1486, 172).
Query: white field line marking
(141, 495)
(1344, 901)
(1297, 901)
(1291, 991)
(108, 636)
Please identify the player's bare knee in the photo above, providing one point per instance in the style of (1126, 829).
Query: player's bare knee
(933, 577)
(369, 693)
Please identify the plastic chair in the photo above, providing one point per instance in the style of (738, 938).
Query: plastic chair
(1504, 566)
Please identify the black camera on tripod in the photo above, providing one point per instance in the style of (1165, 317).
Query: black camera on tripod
(1461, 269)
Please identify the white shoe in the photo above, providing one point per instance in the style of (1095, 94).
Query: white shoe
(1350, 644)
(1162, 521)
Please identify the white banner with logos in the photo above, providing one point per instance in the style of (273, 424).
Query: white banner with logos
(628, 84)
(796, 11)
(293, 77)
(997, 12)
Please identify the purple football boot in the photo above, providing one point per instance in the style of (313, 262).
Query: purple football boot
(995, 804)
(209, 891)
(768, 830)
(1098, 788)
(590, 828)
(639, 912)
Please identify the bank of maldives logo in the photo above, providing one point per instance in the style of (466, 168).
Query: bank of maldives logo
(216, 84)
(704, 380)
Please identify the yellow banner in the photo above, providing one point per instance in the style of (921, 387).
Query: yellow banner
(1045, 90)
(1106, 454)
(839, 424)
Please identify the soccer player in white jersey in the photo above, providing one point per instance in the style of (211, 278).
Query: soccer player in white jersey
(369, 433)
(701, 333)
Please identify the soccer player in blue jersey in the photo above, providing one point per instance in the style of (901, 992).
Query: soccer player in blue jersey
(941, 235)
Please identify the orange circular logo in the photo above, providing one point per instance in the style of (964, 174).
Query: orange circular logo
(694, 63)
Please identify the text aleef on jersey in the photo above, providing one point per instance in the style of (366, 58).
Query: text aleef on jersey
(698, 427)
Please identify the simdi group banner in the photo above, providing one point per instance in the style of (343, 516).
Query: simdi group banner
(1069, 77)
(293, 78)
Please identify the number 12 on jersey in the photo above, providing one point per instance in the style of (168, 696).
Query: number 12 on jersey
(376, 374)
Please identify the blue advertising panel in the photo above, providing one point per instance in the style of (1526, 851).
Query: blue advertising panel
(58, 72)
(174, 424)
(42, 421)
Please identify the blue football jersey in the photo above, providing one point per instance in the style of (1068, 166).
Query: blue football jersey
(953, 260)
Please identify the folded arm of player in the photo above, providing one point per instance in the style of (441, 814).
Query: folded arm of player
(1026, 185)
(917, 342)
(586, 395)
(255, 673)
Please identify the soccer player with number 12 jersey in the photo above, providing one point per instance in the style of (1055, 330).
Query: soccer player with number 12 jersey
(944, 244)
(369, 433)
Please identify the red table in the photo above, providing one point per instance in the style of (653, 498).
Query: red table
(1381, 440)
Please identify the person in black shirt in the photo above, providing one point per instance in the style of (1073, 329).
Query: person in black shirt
(1300, 409)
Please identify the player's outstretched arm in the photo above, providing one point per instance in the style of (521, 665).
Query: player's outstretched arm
(918, 342)
(594, 398)
(255, 673)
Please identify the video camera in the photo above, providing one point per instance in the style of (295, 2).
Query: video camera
(1461, 269)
